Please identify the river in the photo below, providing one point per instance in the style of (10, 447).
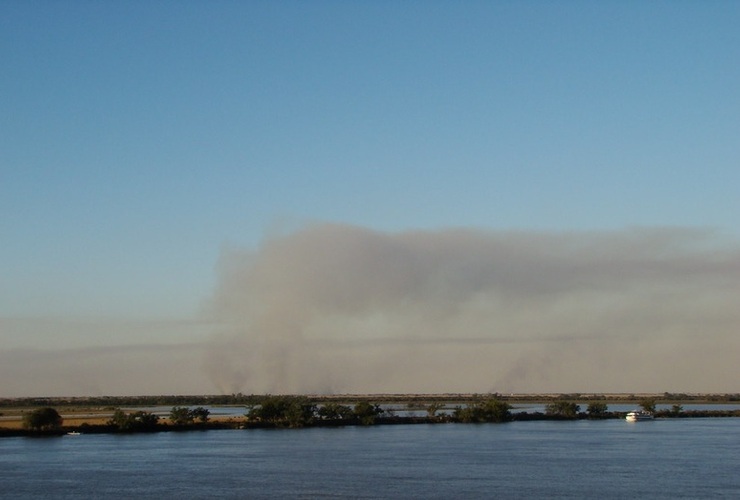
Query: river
(671, 458)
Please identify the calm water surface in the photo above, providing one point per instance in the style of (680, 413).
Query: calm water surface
(673, 458)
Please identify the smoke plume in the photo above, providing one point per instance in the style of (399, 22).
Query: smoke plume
(334, 309)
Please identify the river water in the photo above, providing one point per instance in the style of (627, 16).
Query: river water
(671, 458)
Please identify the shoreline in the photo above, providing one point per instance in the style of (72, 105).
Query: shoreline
(84, 425)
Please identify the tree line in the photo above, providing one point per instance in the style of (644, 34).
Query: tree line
(301, 411)
(251, 399)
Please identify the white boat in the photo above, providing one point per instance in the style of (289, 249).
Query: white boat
(637, 416)
(73, 433)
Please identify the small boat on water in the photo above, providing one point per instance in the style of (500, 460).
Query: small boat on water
(73, 433)
(638, 416)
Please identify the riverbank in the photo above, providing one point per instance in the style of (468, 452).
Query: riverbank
(100, 425)
(165, 413)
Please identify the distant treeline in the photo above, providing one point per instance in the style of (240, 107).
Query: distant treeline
(117, 401)
(409, 399)
(302, 411)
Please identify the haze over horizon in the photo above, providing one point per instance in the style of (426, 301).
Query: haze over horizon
(330, 197)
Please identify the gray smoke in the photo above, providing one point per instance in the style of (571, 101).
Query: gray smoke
(335, 308)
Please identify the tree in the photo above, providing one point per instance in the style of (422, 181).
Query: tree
(676, 409)
(597, 409)
(335, 411)
(291, 411)
(181, 416)
(495, 410)
(563, 409)
(648, 405)
(185, 416)
(433, 408)
(200, 413)
(270, 409)
(301, 411)
(489, 410)
(464, 414)
(42, 419)
(118, 419)
(132, 422)
(367, 412)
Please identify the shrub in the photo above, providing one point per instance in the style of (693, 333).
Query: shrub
(43, 419)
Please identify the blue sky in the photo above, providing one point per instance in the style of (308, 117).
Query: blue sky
(138, 140)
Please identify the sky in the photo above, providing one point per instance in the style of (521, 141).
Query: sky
(337, 197)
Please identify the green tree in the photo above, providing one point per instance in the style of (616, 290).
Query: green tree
(291, 411)
(495, 410)
(118, 419)
(433, 408)
(335, 411)
(597, 409)
(676, 409)
(133, 422)
(200, 414)
(648, 405)
(464, 414)
(180, 415)
(489, 410)
(300, 412)
(270, 409)
(42, 419)
(563, 409)
(367, 412)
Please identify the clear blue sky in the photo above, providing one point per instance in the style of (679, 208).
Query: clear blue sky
(138, 139)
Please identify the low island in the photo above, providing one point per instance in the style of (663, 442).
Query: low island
(81, 415)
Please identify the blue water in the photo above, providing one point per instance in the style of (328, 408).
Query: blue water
(672, 458)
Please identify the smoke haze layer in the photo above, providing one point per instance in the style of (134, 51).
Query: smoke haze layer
(335, 308)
